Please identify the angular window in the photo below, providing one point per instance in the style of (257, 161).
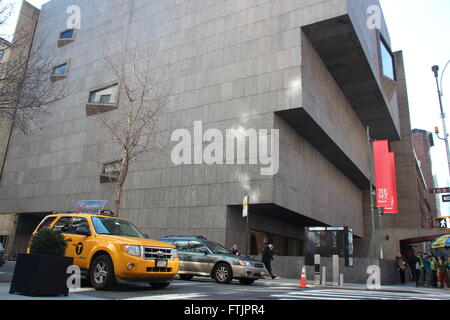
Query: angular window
(66, 37)
(106, 95)
(68, 34)
(110, 172)
(387, 61)
(59, 72)
(102, 100)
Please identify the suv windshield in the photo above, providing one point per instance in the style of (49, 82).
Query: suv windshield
(115, 227)
(216, 248)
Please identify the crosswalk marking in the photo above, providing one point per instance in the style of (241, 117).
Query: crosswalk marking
(352, 295)
(170, 297)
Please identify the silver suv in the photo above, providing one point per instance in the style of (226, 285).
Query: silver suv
(200, 257)
(2, 253)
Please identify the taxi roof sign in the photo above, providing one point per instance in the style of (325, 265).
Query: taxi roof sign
(92, 206)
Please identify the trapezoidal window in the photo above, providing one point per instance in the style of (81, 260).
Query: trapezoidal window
(102, 100)
(387, 61)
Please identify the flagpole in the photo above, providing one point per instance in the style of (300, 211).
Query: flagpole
(372, 205)
(380, 215)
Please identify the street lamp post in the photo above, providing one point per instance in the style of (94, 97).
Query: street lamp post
(435, 70)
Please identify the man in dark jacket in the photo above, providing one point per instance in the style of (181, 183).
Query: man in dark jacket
(267, 258)
(401, 266)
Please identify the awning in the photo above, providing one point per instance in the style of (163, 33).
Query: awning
(442, 242)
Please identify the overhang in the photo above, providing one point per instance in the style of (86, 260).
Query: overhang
(312, 132)
(337, 43)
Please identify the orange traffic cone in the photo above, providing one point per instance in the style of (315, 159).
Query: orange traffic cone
(303, 278)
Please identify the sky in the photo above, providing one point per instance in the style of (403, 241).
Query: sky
(421, 29)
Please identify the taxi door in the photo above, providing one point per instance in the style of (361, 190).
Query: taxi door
(80, 242)
(77, 245)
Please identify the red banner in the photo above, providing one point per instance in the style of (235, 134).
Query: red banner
(382, 168)
(393, 208)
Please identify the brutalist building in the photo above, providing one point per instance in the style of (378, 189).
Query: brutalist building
(311, 74)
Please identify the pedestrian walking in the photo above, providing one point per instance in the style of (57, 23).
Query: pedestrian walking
(412, 266)
(267, 258)
(401, 267)
(442, 269)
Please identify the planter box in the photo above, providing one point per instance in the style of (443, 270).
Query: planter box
(40, 275)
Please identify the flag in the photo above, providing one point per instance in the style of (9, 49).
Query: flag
(393, 207)
(385, 177)
(382, 173)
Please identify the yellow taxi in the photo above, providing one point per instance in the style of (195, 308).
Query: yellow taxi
(109, 249)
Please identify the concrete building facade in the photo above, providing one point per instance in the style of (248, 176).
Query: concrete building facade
(320, 72)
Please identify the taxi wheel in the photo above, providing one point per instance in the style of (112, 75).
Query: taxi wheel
(223, 273)
(159, 285)
(102, 273)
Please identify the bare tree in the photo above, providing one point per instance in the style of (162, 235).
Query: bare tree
(6, 8)
(134, 126)
(25, 86)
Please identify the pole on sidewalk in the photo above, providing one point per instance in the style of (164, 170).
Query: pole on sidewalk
(335, 270)
(324, 276)
(317, 269)
(380, 217)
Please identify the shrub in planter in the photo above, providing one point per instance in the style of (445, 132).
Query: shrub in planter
(43, 272)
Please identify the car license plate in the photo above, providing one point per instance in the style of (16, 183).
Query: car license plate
(161, 263)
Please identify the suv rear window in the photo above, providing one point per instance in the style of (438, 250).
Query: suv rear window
(63, 224)
(46, 223)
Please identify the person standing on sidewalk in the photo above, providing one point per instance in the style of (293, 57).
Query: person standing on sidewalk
(419, 269)
(401, 266)
(426, 269)
(433, 272)
(442, 268)
(267, 258)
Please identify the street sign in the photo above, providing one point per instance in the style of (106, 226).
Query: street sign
(442, 223)
(245, 207)
(446, 198)
(440, 190)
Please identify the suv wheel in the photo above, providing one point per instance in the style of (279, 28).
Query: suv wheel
(223, 273)
(102, 273)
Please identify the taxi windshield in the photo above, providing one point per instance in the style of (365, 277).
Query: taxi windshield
(115, 227)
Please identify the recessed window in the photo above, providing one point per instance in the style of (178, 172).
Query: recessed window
(60, 70)
(102, 100)
(110, 172)
(66, 37)
(107, 95)
(387, 61)
(68, 34)
(2, 54)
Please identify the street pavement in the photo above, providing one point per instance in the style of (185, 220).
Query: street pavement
(206, 289)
